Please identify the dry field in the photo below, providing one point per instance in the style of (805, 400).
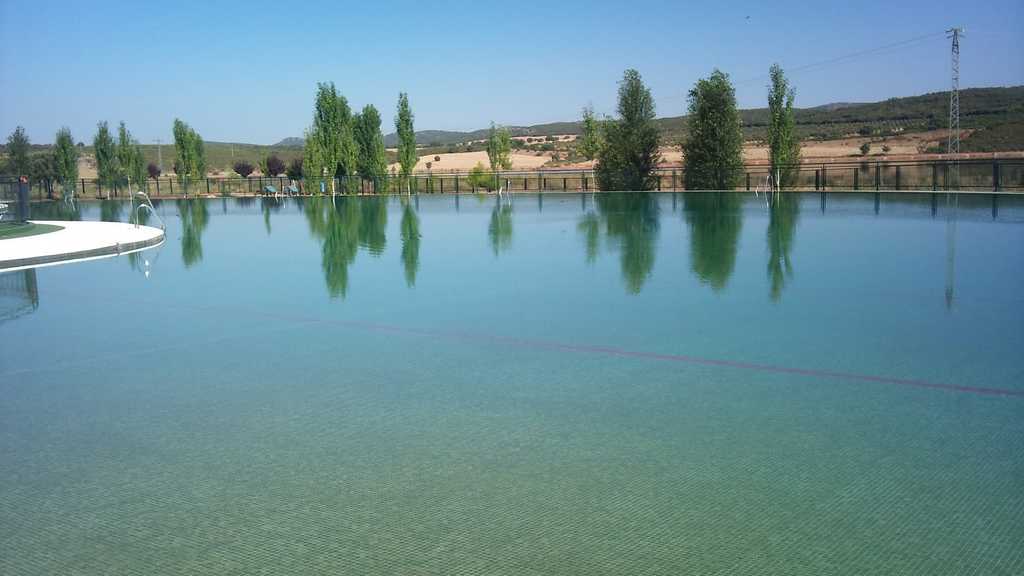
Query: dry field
(465, 161)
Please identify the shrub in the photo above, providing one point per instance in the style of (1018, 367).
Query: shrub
(437, 158)
(479, 178)
(294, 170)
(153, 170)
(275, 166)
(243, 168)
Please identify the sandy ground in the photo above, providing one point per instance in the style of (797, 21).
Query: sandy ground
(465, 161)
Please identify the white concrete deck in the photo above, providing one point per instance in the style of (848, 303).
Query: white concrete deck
(77, 241)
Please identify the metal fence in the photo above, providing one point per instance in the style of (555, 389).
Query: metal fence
(997, 175)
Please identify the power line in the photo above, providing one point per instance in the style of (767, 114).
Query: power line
(894, 46)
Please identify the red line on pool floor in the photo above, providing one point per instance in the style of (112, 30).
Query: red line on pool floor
(615, 351)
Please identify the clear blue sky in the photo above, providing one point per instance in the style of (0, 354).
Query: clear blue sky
(246, 71)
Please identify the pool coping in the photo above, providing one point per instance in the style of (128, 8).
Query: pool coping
(114, 238)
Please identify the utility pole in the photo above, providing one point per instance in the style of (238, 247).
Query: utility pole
(160, 155)
(953, 142)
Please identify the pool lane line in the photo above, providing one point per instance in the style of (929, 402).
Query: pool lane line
(620, 352)
(594, 349)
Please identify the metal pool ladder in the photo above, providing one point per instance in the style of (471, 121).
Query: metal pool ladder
(144, 202)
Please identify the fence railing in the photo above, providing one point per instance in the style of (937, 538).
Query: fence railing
(996, 175)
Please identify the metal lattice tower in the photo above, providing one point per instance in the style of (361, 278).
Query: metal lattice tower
(953, 144)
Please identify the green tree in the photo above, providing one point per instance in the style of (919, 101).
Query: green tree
(630, 152)
(783, 143)
(499, 148)
(330, 142)
(406, 136)
(865, 148)
(66, 155)
(190, 151)
(129, 157)
(372, 162)
(590, 140)
(107, 167)
(17, 152)
(713, 151)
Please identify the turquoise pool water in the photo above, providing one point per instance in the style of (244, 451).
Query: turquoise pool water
(563, 384)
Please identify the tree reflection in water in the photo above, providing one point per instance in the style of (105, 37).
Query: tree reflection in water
(715, 220)
(783, 212)
(194, 216)
(629, 221)
(500, 229)
(343, 224)
(410, 228)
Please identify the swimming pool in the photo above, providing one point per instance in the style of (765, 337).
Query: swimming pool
(543, 384)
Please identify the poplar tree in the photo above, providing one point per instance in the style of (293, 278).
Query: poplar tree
(190, 152)
(106, 155)
(129, 157)
(630, 152)
(372, 162)
(406, 136)
(590, 140)
(331, 149)
(66, 156)
(783, 144)
(713, 151)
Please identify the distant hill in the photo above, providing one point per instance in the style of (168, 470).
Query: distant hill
(981, 108)
(291, 142)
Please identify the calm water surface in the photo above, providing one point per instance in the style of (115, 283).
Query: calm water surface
(565, 384)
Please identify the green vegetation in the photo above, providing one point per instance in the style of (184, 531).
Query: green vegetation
(294, 170)
(406, 135)
(865, 148)
(783, 145)
(478, 177)
(499, 148)
(17, 152)
(22, 229)
(372, 162)
(629, 155)
(106, 155)
(330, 143)
(190, 162)
(590, 139)
(713, 150)
(130, 165)
(66, 157)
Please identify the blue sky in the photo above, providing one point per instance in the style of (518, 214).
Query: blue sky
(247, 71)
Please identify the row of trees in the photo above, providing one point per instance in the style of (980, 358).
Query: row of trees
(627, 147)
(118, 160)
(340, 143)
